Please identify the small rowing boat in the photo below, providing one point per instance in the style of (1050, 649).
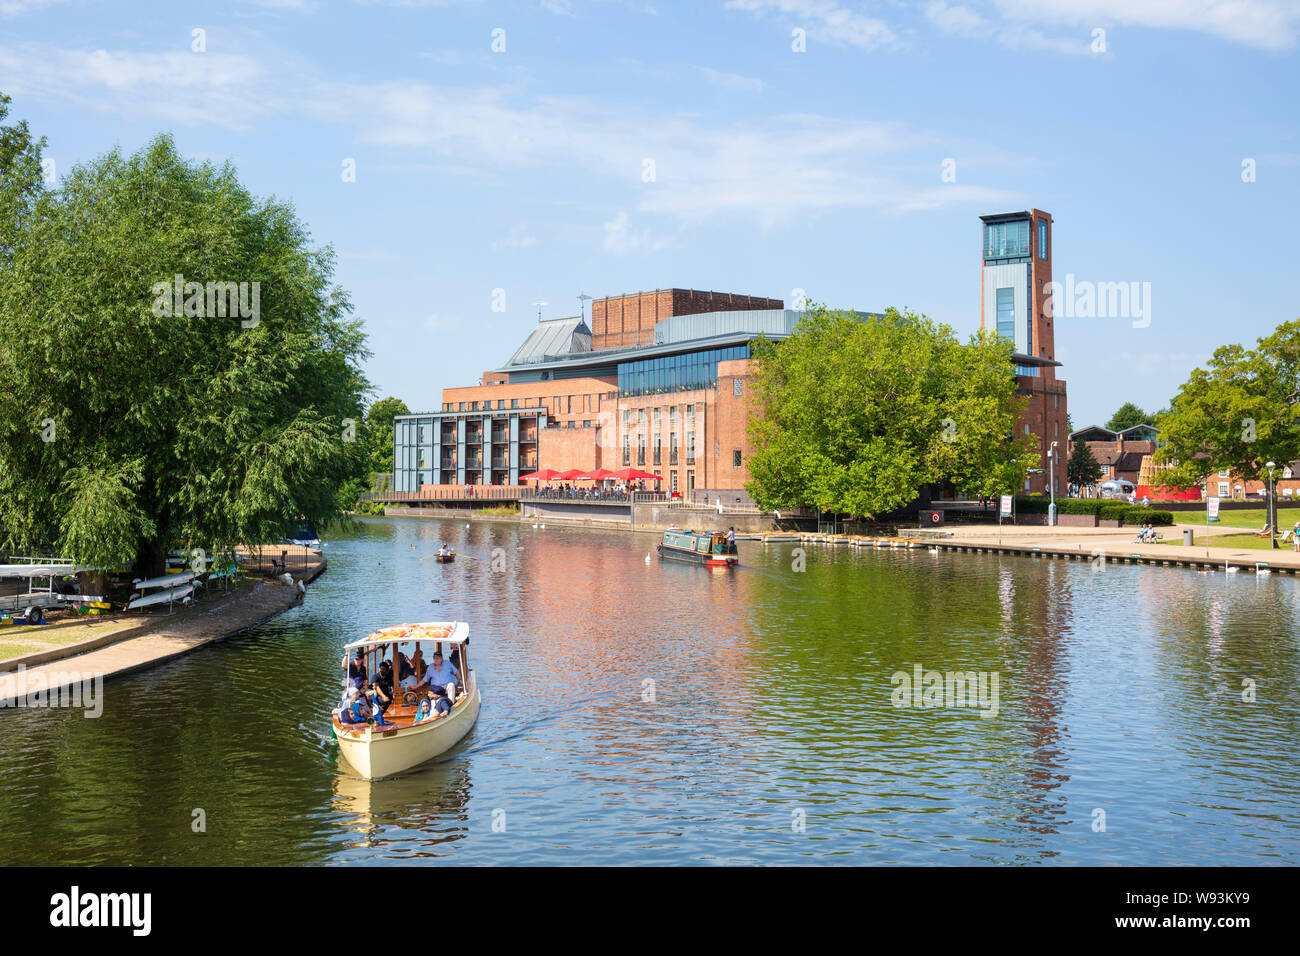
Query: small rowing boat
(407, 738)
(444, 557)
(709, 548)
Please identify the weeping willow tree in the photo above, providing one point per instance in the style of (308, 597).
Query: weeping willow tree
(174, 359)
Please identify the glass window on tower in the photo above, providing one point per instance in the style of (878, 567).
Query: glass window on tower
(1006, 314)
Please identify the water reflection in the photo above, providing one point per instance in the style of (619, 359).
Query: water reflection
(662, 713)
(415, 815)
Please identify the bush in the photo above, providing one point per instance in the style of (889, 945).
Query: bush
(1114, 511)
(1031, 506)
(1081, 506)
(1140, 515)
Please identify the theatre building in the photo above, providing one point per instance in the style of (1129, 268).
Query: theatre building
(657, 382)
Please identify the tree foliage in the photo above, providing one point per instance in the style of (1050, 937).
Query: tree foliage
(1082, 468)
(1239, 413)
(854, 415)
(120, 427)
(376, 439)
(1128, 415)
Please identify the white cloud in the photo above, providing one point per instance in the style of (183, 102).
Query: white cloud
(518, 239)
(961, 20)
(768, 169)
(13, 8)
(228, 90)
(1268, 24)
(622, 240)
(827, 21)
(733, 81)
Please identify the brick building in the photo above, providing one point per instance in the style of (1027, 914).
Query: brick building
(624, 321)
(1119, 453)
(673, 403)
(1014, 301)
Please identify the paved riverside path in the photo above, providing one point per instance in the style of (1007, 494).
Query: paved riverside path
(214, 618)
(1115, 544)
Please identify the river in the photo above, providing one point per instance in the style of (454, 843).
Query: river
(639, 711)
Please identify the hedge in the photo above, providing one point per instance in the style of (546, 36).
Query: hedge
(1107, 509)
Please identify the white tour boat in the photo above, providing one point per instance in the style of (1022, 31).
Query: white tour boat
(375, 751)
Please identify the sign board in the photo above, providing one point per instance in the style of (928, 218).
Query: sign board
(1212, 509)
(1006, 505)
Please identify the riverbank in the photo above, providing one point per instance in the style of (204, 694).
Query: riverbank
(1115, 545)
(52, 655)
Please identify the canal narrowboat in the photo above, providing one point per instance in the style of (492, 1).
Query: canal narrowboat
(410, 734)
(709, 548)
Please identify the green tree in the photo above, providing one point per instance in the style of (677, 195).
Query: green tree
(1128, 415)
(379, 432)
(376, 440)
(854, 415)
(125, 421)
(1082, 469)
(21, 179)
(1239, 413)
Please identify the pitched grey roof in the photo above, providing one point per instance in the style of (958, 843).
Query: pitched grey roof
(553, 338)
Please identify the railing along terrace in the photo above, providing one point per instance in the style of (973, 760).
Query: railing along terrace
(451, 493)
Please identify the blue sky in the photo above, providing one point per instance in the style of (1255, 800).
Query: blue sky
(774, 170)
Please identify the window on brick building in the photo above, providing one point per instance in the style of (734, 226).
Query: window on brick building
(737, 386)
(690, 448)
(1223, 489)
(658, 459)
(656, 416)
(672, 448)
(627, 449)
(640, 449)
(735, 458)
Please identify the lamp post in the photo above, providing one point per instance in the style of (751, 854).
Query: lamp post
(1272, 508)
(1051, 484)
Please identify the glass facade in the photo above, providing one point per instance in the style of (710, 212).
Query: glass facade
(1006, 314)
(675, 373)
(1006, 240)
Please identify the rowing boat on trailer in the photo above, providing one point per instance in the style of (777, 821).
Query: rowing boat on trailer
(375, 751)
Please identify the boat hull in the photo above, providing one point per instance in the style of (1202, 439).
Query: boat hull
(698, 557)
(376, 753)
(444, 558)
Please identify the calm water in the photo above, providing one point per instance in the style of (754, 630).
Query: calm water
(771, 736)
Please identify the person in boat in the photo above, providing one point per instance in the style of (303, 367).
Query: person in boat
(377, 708)
(382, 685)
(731, 540)
(355, 709)
(356, 668)
(418, 665)
(434, 705)
(442, 676)
(406, 677)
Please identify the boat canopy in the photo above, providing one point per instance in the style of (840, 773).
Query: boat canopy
(449, 632)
